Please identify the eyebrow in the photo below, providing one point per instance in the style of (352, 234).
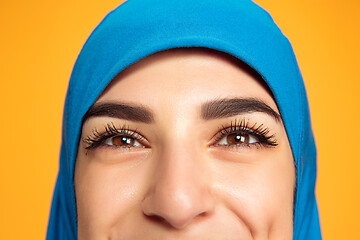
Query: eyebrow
(214, 109)
(120, 110)
(222, 108)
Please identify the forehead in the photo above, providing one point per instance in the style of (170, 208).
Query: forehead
(194, 74)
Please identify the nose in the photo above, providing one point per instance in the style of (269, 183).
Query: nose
(180, 189)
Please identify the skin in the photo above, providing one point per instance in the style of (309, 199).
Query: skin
(179, 183)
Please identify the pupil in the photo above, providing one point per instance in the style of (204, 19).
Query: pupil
(122, 141)
(125, 140)
(238, 138)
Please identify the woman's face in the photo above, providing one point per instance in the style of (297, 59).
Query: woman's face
(184, 144)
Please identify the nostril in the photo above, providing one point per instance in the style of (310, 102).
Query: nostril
(157, 219)
(204, 214)
(175, 221)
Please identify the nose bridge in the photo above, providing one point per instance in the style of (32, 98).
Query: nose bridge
(181, 186)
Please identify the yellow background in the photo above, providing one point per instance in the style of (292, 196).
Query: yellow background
(39, 43)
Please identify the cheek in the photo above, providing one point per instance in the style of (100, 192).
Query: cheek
(106, 193)
(259, 190)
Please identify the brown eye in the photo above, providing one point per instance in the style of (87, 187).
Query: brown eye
(123, 141)
(238, 139)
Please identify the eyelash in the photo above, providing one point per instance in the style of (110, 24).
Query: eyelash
(96, 139)
(242, 126)
(260, 132)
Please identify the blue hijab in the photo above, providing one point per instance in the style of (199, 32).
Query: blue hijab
(138, 28)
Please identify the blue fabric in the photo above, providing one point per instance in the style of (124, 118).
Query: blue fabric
(138, 28)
